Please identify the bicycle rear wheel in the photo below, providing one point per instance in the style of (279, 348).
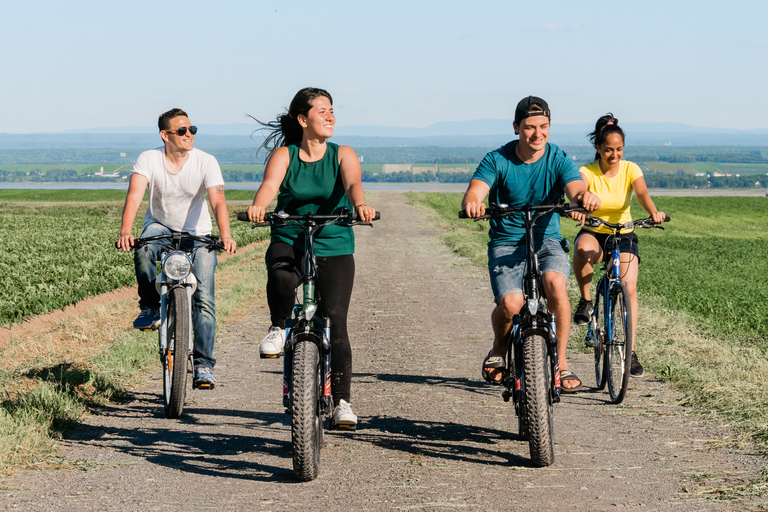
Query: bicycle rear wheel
(177, 352)
(619, 347)
(306, 422)
(597, 313)
(537, 408)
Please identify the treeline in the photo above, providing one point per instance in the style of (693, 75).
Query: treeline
(392, 155)
(418, 177)
(663, 180)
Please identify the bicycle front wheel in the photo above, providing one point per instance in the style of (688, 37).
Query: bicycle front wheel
(177, 352)
(538, 406)
(619, 346)
(597, 332)
(306, 423)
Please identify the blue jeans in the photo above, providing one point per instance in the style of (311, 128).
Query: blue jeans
(507, 265)
(203, 306)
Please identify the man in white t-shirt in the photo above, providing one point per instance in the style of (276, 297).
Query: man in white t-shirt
(178, 178)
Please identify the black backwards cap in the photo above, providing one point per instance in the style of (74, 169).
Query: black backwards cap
(523, 110)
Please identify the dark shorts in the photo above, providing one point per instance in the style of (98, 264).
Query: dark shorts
(627, 243)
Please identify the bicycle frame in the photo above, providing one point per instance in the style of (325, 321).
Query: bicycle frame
(305, 325)
(534, 318)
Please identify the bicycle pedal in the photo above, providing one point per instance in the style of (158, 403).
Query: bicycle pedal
(345, 427)
(147, 330)
(269, 356)
(202, 386)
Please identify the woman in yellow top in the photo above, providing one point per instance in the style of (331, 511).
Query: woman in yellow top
(613, 180)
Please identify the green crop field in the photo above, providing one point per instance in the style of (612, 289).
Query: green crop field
(55, 255)
(709, 261)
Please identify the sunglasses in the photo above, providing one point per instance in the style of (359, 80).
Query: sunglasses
(183, 131)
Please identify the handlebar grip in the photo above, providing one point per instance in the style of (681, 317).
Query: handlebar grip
(377, 216)
(667, 218)
(463, 214)
(242, 216)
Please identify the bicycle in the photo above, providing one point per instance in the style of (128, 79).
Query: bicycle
(176, 283)
(613, 342)
(532, 372)
(307, 362)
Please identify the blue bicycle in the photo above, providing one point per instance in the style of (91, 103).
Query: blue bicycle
(614, 339)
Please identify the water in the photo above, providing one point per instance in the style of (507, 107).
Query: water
(371, 187)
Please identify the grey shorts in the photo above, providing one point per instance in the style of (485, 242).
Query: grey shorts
(506, 265)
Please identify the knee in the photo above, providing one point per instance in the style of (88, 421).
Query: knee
(510, 305)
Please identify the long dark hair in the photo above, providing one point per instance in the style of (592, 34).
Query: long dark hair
(605, 126)
(286, 130)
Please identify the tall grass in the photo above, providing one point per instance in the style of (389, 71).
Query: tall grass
(90, 359)
(702, 292)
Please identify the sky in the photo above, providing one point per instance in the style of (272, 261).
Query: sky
(87, 64)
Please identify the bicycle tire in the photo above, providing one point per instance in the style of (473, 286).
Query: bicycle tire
(306, 422)
(177, 352)
(538, 406)
(619, 347)
(601, 368)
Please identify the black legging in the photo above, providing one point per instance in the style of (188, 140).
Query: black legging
(335, 277)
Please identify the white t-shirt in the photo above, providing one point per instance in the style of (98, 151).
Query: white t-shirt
(177, 201)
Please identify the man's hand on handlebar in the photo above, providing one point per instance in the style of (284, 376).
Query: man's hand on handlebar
(125, 242)
(590, 201)
(229, 244)
(474, 209)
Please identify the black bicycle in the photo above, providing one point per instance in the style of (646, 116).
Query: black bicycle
(176, 283)
(531, 374)
(307, 362)
(613, 340)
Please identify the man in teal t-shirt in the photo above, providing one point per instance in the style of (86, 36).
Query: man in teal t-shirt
(527, 171)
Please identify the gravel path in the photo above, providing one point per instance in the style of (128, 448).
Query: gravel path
(433, 435)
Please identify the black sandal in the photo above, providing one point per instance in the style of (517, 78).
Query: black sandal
(493, 363)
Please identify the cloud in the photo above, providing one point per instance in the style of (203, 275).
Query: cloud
(561, 27)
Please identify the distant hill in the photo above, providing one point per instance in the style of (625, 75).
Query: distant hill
(477, 133)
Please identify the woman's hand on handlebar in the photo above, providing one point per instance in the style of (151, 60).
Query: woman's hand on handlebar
(364, 212)
(658, 217)
(256, 213)
(474, 209)
(579, 217)
(125, 242)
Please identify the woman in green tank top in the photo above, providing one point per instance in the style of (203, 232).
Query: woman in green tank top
(309, 174)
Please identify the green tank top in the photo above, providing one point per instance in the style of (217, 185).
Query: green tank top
(314, 187)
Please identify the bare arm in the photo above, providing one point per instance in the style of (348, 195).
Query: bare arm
(577, 191)
(274, 174)
(221, 214)
(644, 198)
(472, 202)
(352, 177)
(136, 188)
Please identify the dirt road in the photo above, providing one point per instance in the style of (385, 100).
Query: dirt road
(433, 435)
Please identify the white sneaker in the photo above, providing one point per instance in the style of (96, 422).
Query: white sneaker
(343, 415)
(273, 343)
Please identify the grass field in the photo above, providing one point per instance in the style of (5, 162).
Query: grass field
(703, 298)
(56, 255)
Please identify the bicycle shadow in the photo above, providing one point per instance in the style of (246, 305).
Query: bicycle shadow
(215, 452)
(462, 383)
(449, 441)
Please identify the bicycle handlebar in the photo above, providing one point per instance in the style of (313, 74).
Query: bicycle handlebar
(502, 210)
(211, 241)
(594, 222)
(272, 218)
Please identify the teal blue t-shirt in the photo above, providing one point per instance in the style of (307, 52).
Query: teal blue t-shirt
(515, 183)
